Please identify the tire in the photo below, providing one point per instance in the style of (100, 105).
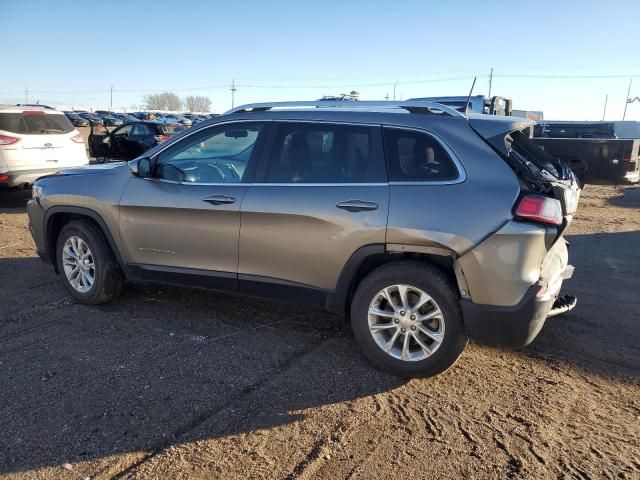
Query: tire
(107, 276)
(430, 281)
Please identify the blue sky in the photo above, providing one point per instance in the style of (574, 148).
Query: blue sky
(557, 56)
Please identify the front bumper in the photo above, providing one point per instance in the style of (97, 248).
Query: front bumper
(36, 227)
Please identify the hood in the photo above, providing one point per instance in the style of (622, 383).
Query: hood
(93, 169)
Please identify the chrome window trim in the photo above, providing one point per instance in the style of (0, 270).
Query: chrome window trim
(257, 184)
(337, 184)
(462, 173)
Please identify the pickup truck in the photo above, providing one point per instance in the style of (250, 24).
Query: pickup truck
(477, 104)
(597, 152)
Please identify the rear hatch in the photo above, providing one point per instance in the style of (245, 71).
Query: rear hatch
(538, 172)
(39, 139)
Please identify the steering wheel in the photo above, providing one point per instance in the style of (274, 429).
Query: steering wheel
(171, 172)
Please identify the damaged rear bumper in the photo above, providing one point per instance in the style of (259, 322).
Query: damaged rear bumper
(518, 325)
(514, 326)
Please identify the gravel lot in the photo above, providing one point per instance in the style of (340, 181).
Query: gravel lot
(179, 383)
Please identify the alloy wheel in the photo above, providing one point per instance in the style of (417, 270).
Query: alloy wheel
(406, 322)
(78, 263)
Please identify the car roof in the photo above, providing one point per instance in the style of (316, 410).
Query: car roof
(18, 109)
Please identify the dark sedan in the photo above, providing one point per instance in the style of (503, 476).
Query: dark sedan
(130, 140)
(109, 120)
(93, 119)
(76, 120)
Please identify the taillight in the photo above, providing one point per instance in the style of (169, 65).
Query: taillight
(77, 138)
(7, 140)
(4, 178)
(627, 158)
(162, 138)
(537, 208)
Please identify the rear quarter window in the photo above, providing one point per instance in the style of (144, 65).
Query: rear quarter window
(35, 123)
(414, 156)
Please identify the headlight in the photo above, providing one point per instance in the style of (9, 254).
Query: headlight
(36, 192)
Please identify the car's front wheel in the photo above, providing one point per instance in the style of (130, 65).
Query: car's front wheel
(86, 264)
(406, 318)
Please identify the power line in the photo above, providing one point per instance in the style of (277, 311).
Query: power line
(509, 75)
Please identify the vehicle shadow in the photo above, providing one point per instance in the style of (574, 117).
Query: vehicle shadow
(602, 333)
(157, 367)
(630, 198)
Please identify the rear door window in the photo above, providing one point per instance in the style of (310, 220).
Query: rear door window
(321, 153)
(414, 156)
(37, 123)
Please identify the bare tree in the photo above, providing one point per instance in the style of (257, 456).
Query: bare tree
(197, 103)
(162, 101)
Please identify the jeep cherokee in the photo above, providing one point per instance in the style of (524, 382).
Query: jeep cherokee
(423, 225)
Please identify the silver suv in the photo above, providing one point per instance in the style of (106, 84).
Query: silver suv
(424, 226)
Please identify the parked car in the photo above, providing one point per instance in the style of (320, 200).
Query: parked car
(397, 213)
(76, 120)
(597, 152)
(476, 104)
(93, 119)
(125, 117)
(194, 117)
(109, 120)
(37, 105)
(35, 142)
(130, 140)
(140, 115)
(173, 118)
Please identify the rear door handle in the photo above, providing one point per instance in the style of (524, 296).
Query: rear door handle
(219, 200)
(357, 205)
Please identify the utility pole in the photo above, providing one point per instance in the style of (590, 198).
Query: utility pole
(627, 102)
(394, 90)
(386, 97)
(26, 95)
(490, 81)
(111, 99)
(604, 112)
(233, 92)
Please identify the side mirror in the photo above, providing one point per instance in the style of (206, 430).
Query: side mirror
(140, 167)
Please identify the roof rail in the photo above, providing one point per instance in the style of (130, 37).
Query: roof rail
(423, 107)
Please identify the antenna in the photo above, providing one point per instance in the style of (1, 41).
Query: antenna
(466, 108)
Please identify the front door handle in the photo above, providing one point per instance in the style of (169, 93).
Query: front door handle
(219, 200)
(357, 205)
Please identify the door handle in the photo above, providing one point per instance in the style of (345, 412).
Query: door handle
(357, 205)
(219, 200)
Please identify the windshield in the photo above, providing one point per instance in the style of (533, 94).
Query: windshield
(35, 123)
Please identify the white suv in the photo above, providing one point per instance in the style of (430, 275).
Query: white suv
(34, 142)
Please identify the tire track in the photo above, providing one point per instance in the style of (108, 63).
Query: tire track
(222, 411)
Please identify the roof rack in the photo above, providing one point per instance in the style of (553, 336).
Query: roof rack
(423, 107)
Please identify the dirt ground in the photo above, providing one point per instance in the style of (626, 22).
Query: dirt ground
(179, 383)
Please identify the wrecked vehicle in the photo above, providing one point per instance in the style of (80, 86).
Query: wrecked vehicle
(424, 226)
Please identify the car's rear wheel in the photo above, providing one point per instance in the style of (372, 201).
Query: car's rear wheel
(406, 318)
(87, 266)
